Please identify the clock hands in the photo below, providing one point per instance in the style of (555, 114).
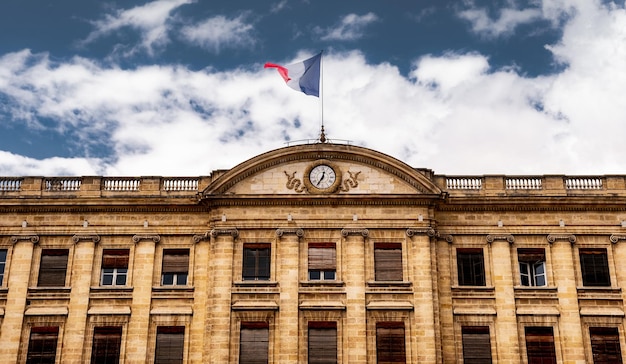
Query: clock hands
(321, 178)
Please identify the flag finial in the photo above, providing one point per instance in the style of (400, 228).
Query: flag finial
(322, 136)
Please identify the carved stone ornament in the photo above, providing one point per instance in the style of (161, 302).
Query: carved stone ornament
(493, 237)
(430, 232)
(615, 238)
(199, 237)
(294, 183)
(554, 237)
(351, 182)
(79, 237)
(282, 231)
(364, 232)
(32, 238)
(232, 232)
(154, 238)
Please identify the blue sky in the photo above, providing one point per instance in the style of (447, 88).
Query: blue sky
(177, 87)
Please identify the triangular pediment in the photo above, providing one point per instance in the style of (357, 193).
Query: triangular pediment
(322, 168)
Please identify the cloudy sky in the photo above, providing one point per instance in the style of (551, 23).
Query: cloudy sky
(178, 88)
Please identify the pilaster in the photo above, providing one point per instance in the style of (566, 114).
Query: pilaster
(355, 347)
(199, 322)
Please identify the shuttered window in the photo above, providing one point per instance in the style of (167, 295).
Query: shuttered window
(388, 261)
(471, 267)
(254, 343)
(175, 267)
(114, 267)
(532, 266)
(476, 345)
(594, 267)
(322, 342)
(322, 261)
(42, 345)
(106, 345)
(170, 344)
(390, 343)
(605, 346)
(540, 345)
(3, 262)
(53, 268)
(256, 262)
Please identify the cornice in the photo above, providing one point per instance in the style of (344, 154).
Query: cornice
(321, 200)
(73, 207)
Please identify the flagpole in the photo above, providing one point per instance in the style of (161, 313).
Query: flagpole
(322, 135)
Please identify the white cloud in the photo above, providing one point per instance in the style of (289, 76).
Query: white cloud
(151, 19)
(351, 27)
(509, 19)
(220, 32)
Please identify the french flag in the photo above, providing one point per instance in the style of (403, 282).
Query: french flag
(303, 76)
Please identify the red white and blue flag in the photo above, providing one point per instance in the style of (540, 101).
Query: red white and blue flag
(303, 76)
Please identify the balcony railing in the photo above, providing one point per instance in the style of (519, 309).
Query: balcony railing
(523, 183)
(464, 183)
(10, 184)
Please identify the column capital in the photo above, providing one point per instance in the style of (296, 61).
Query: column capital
(493, 237)
(225, 231)
(615, 238)
(199, 237)
(155, 238)
(32, 238)
(355, 231)
(554, 237)
(80, 237)
(297, 231)
(419, 231)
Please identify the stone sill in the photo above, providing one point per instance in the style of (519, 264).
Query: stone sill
(609, 293)
(172, 291)
(535, 292)
(111, 292)
(48, 293)
(473, 291)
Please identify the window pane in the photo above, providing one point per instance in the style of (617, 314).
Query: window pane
(471, 269)
(594, 267)
(106, 345)
(329, 275)
(42, 345)
(181, 279)
(3, 260)
(256, 263)
(314, 275)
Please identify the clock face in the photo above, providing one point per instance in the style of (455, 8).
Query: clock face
(322, 176)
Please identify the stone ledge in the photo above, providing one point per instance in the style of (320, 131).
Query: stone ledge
(390, 305)
(47, 311)
(109, 310)
(254, 305)
(322, 305)
(173, 310)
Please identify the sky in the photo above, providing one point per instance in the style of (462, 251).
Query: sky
(178, 87)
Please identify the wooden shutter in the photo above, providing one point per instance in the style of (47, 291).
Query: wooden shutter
(388, 261)
(115, 258)
(176, 261)
(540, 345)
(106, 345)
(390, 342)
(322, 342)
(170, 344)
(594, 267)
(476, 345)
(254, 343)
(42, 345)
(322, 256)
(53, 268)
(605, 346)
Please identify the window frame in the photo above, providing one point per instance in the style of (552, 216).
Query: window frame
(118, 270)
(540, 342)
(476, 333)
(3, 266)
(326, 329)
(475, 280)
(606, 332)
(49, 270)
(386, 345)
(108, 332)
(591, 256)
(258, 266)
(529, 260)
(325, 267)
(247, 328)
(169, 330)
(175, 275)
(386, 254)
(39, 329)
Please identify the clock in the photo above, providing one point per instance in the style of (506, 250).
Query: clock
(322, 177)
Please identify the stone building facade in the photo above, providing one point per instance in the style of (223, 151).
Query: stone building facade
(319, 253)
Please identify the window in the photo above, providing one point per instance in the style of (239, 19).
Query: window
(106, 345)
(175, 267)
(594, 266)
(540, 345)
(605, 345)
(254, 343)
(42, 345)
(322, 342)
(170, 343)
(53, 268)
(388, 261)
(3, 262)
(256, 262)
(532, 267)
(114, 267)
(471, 267)
(476, 345)
(390, 342)
(322, 261)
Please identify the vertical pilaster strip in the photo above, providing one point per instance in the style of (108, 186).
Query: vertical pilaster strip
(139, 323)
(564, 279)
(619, 255)
(420, 260)
(287, 273)
(445, 281)
(82, 266)
(355, 347)
(224, 240)
(199, 322)
(506, 322)
(21, 260)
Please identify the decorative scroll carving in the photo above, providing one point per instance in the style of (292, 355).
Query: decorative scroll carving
(351, 182)
(569, 237)
(364, 232)
(508, 237)
(198, 238)
(232, 232)
(415, 231)
(154, 238)
(298, 231)
(294, 183)
(615, 238)
(93, 237)
(32, 238)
